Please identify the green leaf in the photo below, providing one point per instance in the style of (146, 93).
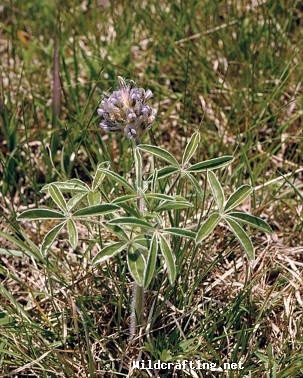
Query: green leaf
(72, 233)
(130, 221)
(173, 205)
(75, 200)
(191, 148)
(182, 232)
(126, 198)
(95, 210)
(114, 176)
(169, 257)
(50, 237)
(99, 175)
(216, 189)
(238, 196)
(251, 220)
(70, 186)
(94, 198)
(167, 171)
(136, 265)
(108, 252)
(40, 214)
(207, 227)
(160, 153)
(151, 261)
(117, 230)
(242, 237)
(159, 196)
(211, 164)
(57, 197)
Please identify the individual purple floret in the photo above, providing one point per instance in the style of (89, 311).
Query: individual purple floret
(126, 110)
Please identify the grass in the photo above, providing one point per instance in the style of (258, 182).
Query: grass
(231, 70)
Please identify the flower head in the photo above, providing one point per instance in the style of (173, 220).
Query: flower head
(126, 110)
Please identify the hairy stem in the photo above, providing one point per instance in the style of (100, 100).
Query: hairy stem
(137, 304)
(136, 309)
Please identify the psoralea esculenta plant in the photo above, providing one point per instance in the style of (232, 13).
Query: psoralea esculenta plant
(147, 218)
(126, 110)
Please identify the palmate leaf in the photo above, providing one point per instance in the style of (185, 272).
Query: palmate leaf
(210, 164)
(131, 221)
(95, 210)
(169, 257)
(159, 196)
(207, 227)
(237, 197)
(151, 261)
(191, 148)
(136, 264)
(75, 200)
(216, 189)
(71, 186)
(242, 237)
(166, 172)
(176, 205)
(94, 198)
(50, 237)
(108, 252)
(72, 233)
(40, 214)
(115, 177)
(99, 175)
(160, 153)
(57, 197)
(251, 220)
(126, 198)
(182, 232)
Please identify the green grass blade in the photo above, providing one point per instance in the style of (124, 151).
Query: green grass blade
(196, 185)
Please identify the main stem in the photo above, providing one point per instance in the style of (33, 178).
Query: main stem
(137, 304)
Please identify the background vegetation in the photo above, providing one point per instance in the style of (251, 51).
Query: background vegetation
(229, 69)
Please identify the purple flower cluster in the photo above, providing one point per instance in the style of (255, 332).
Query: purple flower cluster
(126, 110)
